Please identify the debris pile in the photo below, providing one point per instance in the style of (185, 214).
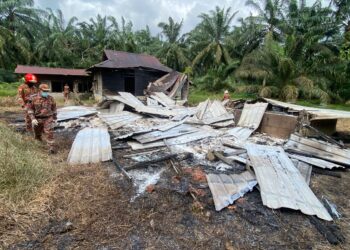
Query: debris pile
(175, 85)
(160, 132)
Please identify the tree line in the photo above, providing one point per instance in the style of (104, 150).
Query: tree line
(289, 50)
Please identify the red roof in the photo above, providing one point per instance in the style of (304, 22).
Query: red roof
(22, 69)
(120, 59)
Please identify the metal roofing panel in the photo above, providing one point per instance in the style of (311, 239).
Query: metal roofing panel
(156, 111)
(119, 120)
(23, 69)
(240, 134)
(281, 184)
(183, 139)
(131, 99)
(304, 169)
(74, 112)
(319, 149)
(91, 145)
(228, 188)
(121, 59)
(163, 99)
(170, 133)
(316, 162)
(252, 115)
(317, 113)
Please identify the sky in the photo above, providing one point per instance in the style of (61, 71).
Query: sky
(145, 12)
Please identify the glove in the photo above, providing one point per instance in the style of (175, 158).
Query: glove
(35, 122)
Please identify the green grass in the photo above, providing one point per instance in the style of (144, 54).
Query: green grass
(23, 166)
(8, 89)
(196, 96)
(316, 104)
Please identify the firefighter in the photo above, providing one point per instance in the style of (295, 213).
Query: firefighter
(66, 91)
(42, 111)
(25, 91)
(226, 95)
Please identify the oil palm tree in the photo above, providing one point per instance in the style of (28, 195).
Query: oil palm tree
(208, 38)
(269, 14)
(172, 51)
(60, 38)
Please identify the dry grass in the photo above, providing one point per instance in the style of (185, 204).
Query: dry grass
(8, 101)
(23, 166)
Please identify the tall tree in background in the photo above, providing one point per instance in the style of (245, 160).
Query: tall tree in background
(172, 51)
(269, 13)
(208, 38)
(61, 39)
(20, 24)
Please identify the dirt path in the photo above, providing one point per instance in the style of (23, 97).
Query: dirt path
(88, 207)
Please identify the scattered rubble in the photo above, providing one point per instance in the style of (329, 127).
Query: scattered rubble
(161, 130)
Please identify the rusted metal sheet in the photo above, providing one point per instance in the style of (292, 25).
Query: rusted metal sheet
(119, 120)
(319, 149)
(22, 69)
(252, 115)
(239, 133)
(317, 113)
(170, 133)
(121, 60)
(91, 145)
(316, 162)
(228, 188)
(281, 184)
(74, 112)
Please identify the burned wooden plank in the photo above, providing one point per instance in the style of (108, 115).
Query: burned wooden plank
(160, 159)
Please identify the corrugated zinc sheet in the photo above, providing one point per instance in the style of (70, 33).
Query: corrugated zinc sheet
(163, 99)
(131, 99)
(159, 111)
(23, 69)
(304, 169)
(318, 113)
(120, 119)
(252, 115)
(182, 139)
(319, 149)
(91, 145)
(160, 135)
(240, 134)
(316, 162)
(281, 184)
(210, 112)
(74, 112)
(228, 188)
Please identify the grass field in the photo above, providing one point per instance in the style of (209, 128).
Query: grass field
(196, 96)
(8, 89)
(23, 165)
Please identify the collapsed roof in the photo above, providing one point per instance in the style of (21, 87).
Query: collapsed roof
(121, 60)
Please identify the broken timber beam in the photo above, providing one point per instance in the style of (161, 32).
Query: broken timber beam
(118, 166)
(164, 158)
(324, 136)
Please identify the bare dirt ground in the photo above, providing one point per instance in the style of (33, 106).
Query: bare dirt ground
(89, 207)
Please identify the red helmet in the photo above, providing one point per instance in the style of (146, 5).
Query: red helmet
(30, 78)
